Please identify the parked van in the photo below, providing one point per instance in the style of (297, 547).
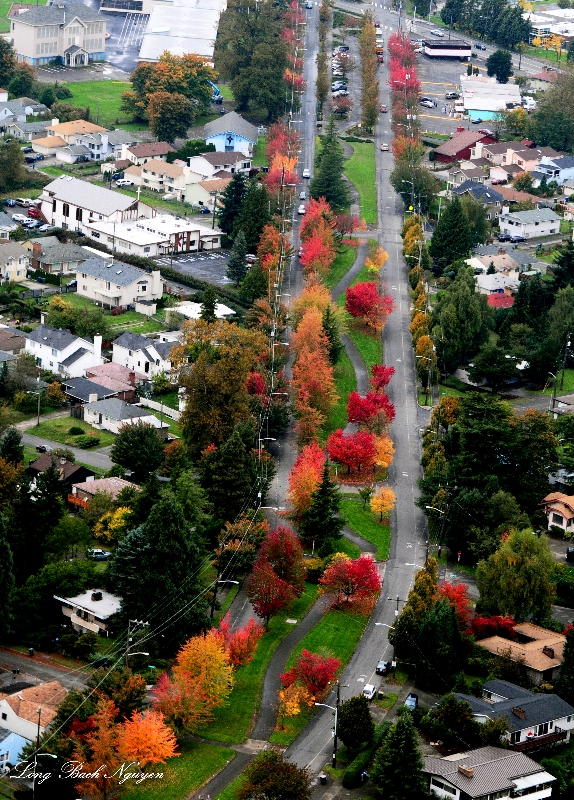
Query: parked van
(23, 201)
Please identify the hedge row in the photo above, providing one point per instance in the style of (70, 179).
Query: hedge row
(352, 775)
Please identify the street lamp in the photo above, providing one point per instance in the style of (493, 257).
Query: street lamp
(335, 709)
(36, 756)
(216, 584)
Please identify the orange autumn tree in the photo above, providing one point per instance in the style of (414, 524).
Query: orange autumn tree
(315, 295)
(146, 738)
(376, 259)
(383, 502)
(384, 451)
(304, 478)
(100, 746)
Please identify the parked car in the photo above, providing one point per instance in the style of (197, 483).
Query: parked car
(383, 667)
(97, 554)
(40, 157)
(340, 93)
(384, 147)
(32, 223)
(23, 201)
(34, 211)
(377, 24)
(302, 195)
(28, 149)
(477, 121)
(498, 181)
(486, 132)
(427, 103)
(369, 691)
(503, 237)
(204, 210)
(9, 202)
(45, 228)
(480, 46)
(30, 159)
(306, 173)
(250, 258)
(451, 96)
(43, 448)
(436, 32)
(301, 209)
(124, 182)
(342, 48)
(383, 108)
(19, 218)
(336, 85)
(73, 284)
(308, 4)
(515, 239)
(412, 701)
(570, 554)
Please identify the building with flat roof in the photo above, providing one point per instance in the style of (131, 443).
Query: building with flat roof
(160, 236)
(91, 610)
(181, 27)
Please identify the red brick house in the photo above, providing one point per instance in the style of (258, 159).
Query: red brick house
(458, 147)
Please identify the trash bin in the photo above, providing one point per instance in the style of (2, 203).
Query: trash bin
(323, 778)
(380, 694)
(31, 652)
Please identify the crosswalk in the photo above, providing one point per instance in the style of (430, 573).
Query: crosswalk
(166, 261)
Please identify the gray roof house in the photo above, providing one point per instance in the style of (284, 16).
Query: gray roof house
(530, 224)
(85, 390)
(59, 351)
(26, 131)
(11, 111)
(7, 225)
(231, 133)
(490, 199)
(58, 258)
(487, 771)
(111, 415)
(140, 354)
(535, 721)
(114, 284)
(32, 107)
(557, 169)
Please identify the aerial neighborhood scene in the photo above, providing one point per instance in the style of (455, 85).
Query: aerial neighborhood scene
(286, 400)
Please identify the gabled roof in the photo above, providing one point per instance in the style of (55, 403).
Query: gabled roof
(57, 254)
(58, 14)
(537, 215)
(118, 409)
(116, 376)
(114, 271)
(479, 191)
(31, 127)
(46, 696)
(111, 486)
(119, 136)
(535, 709)
(12, 250)
(82, 388)
(75, 356)
(460, 141)
(514, 196)
(150, 149)
(548, 77)
(66, 468)
(58, 338)
(221, 159)
(135, 341)
(76, 125)
(215, 184)
(564, 162)
(231, 123)
(84, 194)
(542, 649)
(7, 221)
(163, 168)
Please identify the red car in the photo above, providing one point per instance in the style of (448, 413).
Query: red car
(34, 212)
(377, 24)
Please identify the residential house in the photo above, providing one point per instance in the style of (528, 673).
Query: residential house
(559, 507)
(82, 493)
(535, 721)
(11, 744)
(113, 284)
(530, 224)
(497, 283)
(542, 81)
(32, 108)
(160, 236)
(7, 358)
(95, 146)
(159, 176)
(68, 471)
(558, 169)
(492, 151)
(7, 225)
(61, 259)
(10, 113)
(27, 131)
(459, 175)
(205, 193)
(537, 649)
(122, 380)
(82, 390)
(207, 164)
(71, 203)
(12, 340)
(91, 610)
(137, 352)
(528, 157)
(14, 262)
(112, 415)
(64, 134)
(72, 32)
(460, 146)
(118, 139)
(508, 259)
(504, 173)
(29, 711)
(485, 774)
(511, 196)
(140, 153)
(117, 166)
(230, 133)
(59, 351)
(486, 195)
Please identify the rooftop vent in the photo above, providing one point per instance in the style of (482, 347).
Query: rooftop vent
(519, 712)
(96, 596)
(548, 651)
(465, 770)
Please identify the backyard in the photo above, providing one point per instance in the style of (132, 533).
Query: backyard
(58, 430)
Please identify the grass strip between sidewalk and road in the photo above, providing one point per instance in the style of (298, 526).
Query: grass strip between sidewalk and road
(230, 792)
(232, 723)
(182, 774)
(343, 262)
(345, 383)
(360, 170)
(365, 524)
(336, 634)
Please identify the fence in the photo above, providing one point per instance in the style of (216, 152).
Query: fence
(169, 412)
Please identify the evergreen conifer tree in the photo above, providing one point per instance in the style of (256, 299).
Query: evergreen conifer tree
(231, 202)
(397, 768)
(452, 237)
(254, 214)
(565, 683)
(331, 330)
(355, 724)
(328, 180)
(11, 447)
(237, 265)
(227, 476)
(321, 522)
(208, 303)
(7, 583)
(255, 283)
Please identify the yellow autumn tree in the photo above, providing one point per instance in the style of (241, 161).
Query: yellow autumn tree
(113, 525)
(383, 502)
(419, 326)
(292, 699)
(376, 260)
(384, 451)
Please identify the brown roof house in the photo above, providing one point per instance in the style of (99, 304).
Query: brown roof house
(12, 341)
(205, 193)
(21, 712)
(538, 649)
(69, 472)
(82, 493)
(140, 153)
(558, 507)
(120, 379)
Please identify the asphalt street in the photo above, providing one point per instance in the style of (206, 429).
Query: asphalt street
(32, 671)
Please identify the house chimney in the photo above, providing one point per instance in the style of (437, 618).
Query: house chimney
(519, 712)
(468, 772)
(501, 251)
(42, 318)
(548, 651)
(132, 379)
(93, 397)
(96, 596)
(98, 346)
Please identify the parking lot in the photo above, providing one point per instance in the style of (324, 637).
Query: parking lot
(206, 266)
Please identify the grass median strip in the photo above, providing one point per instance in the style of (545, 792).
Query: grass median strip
(183, 774)
(360, 170)
(369, 345)
(336, 634)
(345, 383)
(233, 722)
(365, 524)
(341, 265)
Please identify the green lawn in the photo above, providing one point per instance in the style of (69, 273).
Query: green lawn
(130, 320)
(345, 382)
(4, 8)
(348, 547)
(369, 345)
(104, 99)
(182, 774)
(260, 153)
(341, 265)
(568, 387)
(226, 92)
(54, 171)
(360, 170)
(232, 723)
(154, 199)
(57, 430)
(229, 793)
(336, 634)
(366, 524)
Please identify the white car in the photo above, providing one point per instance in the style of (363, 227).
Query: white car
(20, 218)
(301, 209)
(306, 173)
(302, 195)
(369, 691)
(124, 182)
(340, 93)
(384, 147)
(436, 32)
(427, 103)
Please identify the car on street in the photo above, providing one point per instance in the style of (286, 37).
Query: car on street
(383, 668)
(515, 239)
(384, 147)
(32, 223)
(19, 218)
(308, 4)
(570, 554)
(342, 48)
(451, 96)
(377, 24)
(477, 121)
(340, 93)
(43, 448)
(436, 32)
(306, 173)
(204, 210)
(45, 228)
(9, 202)
(300, 251)
(369, 691)
(336, 85)
(503, 237)
(124, 182)
(302, 195)
(337, 73)
(480, 46)
(486, 132)
(97, 554)
(251, 258)
(301, 209)
(383, 108)
(427, 103)
(412, 701)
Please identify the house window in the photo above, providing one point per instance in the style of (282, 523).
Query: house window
(443, 786)
(66, 210)
(515, 737)
(4, 716)
(79, 214)
(53, 205)
(54, 352)
(542, 729)
(558, 519)
(146, 249)
(130, 352)
(108, 285)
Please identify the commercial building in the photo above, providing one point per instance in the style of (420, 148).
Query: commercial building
(484, 98)
(181, 27)
(72, 32)
(447, 48)
(160, 236)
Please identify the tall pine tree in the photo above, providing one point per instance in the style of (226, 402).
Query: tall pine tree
(231, 202)
(237, 265)
(397, 768)
(328, 180)
(565, 683)
(331, 331)
(255, 284)
(208, 304)
(11, 447)
(321, 522)
(254, 214)
(227, 475)
(7, 583)
(452, 237)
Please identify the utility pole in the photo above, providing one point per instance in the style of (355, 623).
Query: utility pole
(564, 360)
(129, 639)
(335, 730)
(396, 600)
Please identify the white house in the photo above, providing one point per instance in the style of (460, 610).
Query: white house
(14, 262)
(207, 164)
(112, 283)
(530, 224)
(231, 133)
(557, 169)
(140, 153)
(58, 350)
(90, 610)
(95, 146)
(140, 354)
(535, 721)
(497, 283)
(7, 225)
(21, 712)
(11, 745)
(205, 193)
(160, 236)
(487, 773)
(11, 112)
(111, 415)
(71, 203)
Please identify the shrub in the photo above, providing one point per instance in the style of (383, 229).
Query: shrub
(352, 775)
(75, 430)
(84, 442)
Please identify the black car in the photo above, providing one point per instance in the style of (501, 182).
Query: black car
(504, 237)
(570, 554)
(40, 157)
(480, 46)
(43, 448)
(515, 239)
(27, 149)
(30, 159)
(383, 668)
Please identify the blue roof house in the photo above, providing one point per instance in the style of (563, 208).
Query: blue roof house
(11, 745)
(231, 134)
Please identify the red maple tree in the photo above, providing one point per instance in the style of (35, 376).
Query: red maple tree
(352, 450)
(353, 585)
(483, 627)
(313, 671)
(381, 376)
(283, 551)
(305, 477)
(364, 410)
(364, 301)
(457, 596)
(240, 643)
(269, 594)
